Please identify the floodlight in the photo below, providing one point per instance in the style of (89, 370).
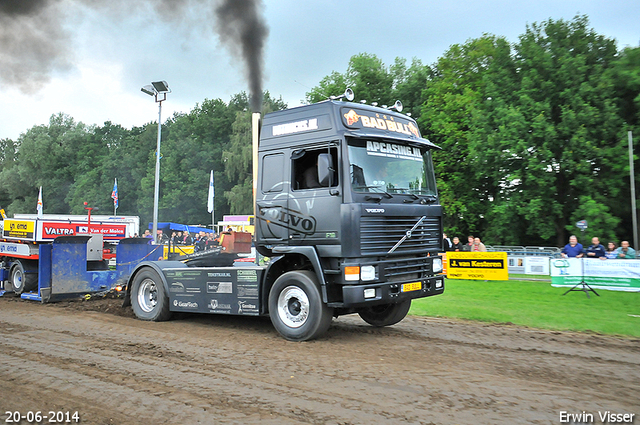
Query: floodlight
(148, 89)
(161, 87)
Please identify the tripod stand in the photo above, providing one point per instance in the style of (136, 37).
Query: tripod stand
(584, 286)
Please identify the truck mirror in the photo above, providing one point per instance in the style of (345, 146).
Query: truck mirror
(325, 169)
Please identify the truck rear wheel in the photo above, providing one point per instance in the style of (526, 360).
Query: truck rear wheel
(21, 281)
(386, 314)
(149, 299)
(296, 308)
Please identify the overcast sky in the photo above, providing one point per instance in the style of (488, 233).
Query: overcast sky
(113, 50)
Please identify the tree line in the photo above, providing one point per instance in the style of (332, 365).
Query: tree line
(533, 136)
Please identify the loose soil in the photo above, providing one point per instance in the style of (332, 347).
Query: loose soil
(95, 358)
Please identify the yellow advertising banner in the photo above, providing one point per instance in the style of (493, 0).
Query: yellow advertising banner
(477, 265)
(19, 229)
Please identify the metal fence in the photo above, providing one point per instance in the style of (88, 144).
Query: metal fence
(526, 251)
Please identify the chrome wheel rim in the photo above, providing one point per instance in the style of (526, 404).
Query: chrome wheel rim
(148, 295)
(293, 307)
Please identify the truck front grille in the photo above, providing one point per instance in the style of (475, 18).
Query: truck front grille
(379, 234)
(405, 269)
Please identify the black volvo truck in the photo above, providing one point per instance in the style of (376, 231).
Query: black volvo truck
(346, 210)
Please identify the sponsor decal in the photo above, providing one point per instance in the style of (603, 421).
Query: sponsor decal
(393, 150)
(215, 305)
(295, 127)
(19, 229)
(225, 274)
(244, 305)
(380, 122)
(185, 304)
(52, 230)
(219, 287)
(176, 287)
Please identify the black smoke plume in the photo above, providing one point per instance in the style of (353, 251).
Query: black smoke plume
(241, 27)
(34, 42)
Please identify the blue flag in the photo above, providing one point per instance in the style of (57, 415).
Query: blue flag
(114, 194)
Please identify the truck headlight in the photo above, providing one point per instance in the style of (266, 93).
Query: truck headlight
(367, 273)
(437, 265)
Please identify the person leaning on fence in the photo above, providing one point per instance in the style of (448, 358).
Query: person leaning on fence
(478, 246)
(596, 250)
(573, 248)
(469, 245)
(612, 252)
(457, 245)
(625, 251)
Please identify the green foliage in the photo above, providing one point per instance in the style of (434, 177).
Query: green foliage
(371, 80)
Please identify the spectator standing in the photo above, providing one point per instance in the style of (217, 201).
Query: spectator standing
(457, 245)
(469, 244)
(446, 242)
(478, 246)
(573, 248)
(596, 250)
(612, 252)
(625, 251)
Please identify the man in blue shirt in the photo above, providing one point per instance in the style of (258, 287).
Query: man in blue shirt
(596, 250)
(573, 248)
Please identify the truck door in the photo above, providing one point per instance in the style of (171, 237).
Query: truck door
(314, 205)
(273, 199)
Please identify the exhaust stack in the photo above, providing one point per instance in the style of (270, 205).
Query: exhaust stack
(256, 122)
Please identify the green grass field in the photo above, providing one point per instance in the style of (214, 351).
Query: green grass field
(535, 304)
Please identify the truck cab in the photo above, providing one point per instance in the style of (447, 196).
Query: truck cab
(351, 189)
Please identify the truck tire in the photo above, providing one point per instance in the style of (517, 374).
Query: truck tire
(386, 314)
(149, 299)
(296, 308)
(21, 281)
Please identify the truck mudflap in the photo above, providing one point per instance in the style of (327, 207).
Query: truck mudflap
(390, 292)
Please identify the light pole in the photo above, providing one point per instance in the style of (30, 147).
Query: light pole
(159, 90)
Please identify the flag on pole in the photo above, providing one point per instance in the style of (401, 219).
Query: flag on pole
(211, 194)
(114, 193)
(40, 203)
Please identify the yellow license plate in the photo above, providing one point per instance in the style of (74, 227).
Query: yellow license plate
(413, 286)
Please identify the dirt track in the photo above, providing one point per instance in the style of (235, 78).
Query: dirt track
(114, 369)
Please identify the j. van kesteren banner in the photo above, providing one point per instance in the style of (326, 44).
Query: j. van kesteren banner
(477, 265)
(616, 275)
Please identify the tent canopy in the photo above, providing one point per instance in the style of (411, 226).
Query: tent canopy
(167, 227)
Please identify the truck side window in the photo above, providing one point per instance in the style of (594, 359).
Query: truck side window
(273, 173)
(305, 168)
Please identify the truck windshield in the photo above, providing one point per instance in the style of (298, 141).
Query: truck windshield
(391, 167)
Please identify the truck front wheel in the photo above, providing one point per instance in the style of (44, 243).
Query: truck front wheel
(21, 281)
(296, 308)
(386, 314)
(148, 297)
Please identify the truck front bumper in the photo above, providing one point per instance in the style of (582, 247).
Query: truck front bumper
(365, 295)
